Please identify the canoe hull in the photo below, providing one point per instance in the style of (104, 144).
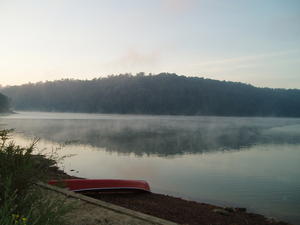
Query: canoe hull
(102, 185)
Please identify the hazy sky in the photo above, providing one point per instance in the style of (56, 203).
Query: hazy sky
(252, 41)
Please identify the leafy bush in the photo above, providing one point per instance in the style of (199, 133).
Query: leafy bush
(21, 201)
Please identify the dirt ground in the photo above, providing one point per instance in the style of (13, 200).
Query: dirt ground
(184, 212)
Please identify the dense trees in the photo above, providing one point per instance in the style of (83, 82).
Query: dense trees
(156, 94)
(4, 103)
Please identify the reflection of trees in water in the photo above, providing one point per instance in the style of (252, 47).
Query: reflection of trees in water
(162, 137)
(172, 142)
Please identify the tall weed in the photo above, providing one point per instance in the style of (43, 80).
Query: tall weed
(21, 202)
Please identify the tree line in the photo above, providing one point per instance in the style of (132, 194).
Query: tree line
(4, 103)
(163, 94)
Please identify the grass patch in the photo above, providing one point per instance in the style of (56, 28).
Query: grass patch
(21, 201)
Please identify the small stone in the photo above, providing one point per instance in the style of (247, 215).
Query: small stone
(229, 209)
(241, 209)
(272, 220)
(221, 211)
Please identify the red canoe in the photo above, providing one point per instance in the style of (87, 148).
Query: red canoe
(102, 184)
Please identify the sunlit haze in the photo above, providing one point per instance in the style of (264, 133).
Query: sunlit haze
(255, 41)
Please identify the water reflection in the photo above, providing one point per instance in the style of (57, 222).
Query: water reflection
(162, 136)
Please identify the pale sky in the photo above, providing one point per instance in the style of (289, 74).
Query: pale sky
(251, 41)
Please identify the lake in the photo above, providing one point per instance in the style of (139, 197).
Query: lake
(237, 161)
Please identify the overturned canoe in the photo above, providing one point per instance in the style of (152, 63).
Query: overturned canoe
(102, 185)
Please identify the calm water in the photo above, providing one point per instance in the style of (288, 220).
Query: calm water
(247, 162)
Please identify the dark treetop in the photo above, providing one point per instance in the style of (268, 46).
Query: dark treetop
(155, 94)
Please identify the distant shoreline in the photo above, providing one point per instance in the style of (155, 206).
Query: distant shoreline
(154, 115)
(7, 113)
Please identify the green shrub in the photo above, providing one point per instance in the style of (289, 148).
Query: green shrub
(21, 201)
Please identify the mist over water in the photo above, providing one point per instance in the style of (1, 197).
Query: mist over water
(249, 162)
(156, 135)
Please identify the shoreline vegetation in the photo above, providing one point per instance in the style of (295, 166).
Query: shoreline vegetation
(21, 201)
(161, 94)
(23, 204)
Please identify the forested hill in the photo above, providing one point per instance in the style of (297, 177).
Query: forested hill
(155, 94)
(4, 104)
